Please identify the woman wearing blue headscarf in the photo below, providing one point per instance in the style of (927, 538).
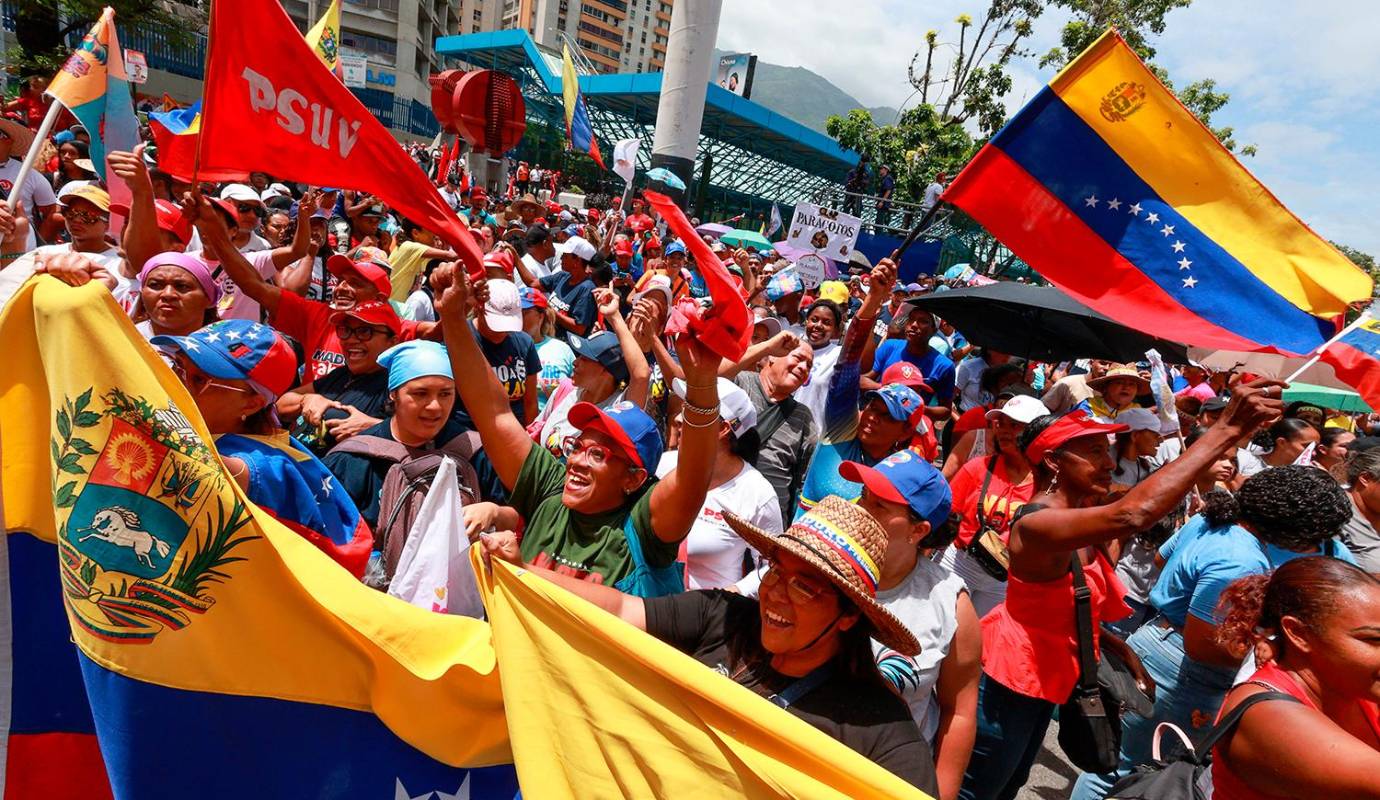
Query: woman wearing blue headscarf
(421, 396)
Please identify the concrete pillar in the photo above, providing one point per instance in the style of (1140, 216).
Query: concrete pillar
(680, 111)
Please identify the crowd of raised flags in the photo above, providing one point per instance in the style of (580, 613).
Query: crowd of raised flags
(664, 520)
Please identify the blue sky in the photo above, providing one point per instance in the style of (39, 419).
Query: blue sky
(1301, 75)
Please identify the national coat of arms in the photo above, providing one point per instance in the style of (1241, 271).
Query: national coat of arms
(1125, 99)
(150, 525)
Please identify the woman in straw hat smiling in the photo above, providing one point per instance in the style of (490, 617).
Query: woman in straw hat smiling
(805, 642)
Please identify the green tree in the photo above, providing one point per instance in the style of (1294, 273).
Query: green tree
(42, 27)
(1138, 21)
(1364, 260)
(920, 145)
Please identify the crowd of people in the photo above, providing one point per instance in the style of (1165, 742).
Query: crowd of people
(887, 531)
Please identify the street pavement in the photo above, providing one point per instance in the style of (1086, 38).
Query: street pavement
(1052, 776)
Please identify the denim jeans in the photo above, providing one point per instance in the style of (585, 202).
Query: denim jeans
(1010, 730)
(1187, 693)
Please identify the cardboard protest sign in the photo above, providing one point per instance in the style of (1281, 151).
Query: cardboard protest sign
(811, 269)
(825, 231)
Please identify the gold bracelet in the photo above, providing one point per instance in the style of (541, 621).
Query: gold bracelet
(713, 421)
(708, 412)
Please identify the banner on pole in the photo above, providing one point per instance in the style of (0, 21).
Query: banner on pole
(825, 231)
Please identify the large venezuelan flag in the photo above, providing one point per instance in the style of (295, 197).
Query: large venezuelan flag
(578, 129)
(1355, 357)
(1109, 187)
(224, 656)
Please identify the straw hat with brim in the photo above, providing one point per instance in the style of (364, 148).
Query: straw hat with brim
(86, 165)
(526, 201)
(1142, 385)
(848, 547)
(19, 134)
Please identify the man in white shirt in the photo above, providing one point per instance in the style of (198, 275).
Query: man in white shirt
(36, 194)
(933, 191)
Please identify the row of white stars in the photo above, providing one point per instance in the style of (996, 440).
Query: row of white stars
(1154, 219)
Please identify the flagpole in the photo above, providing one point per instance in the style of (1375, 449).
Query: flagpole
(915, 232)
(30, 157)
(1317, 354)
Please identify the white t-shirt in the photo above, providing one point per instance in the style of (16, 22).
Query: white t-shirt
(714, 554)
(555, 422)
(22, 268)
(968, 382)
(927, 603)
(932, 193)
(235, 304)
(815, 390)
(539, 269)
(34, 194)
(419, 307)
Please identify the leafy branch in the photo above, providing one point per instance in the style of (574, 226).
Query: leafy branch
(204, 565)
(67, 455)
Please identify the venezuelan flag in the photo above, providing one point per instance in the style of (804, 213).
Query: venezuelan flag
(1355, 357)
(177, 134)
(577, 125)
(223, 656)
(324, 38)
(1109, 187)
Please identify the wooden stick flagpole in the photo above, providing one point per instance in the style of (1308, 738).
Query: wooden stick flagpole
(30, 157)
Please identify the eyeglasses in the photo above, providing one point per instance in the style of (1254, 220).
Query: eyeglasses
(361, 332)
(596, 454)
(197, 382)
(798, 589)
(88, 217)
(245, 208)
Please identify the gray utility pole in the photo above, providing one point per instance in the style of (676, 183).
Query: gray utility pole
(680, 111)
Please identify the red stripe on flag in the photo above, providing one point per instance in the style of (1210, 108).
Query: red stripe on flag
(44, 765)
(1062, 248)
(1356, 369)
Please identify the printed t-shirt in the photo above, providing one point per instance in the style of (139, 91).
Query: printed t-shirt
(1202, 561)
(640, 222)
(866, 716)
(126, 290)
(36, 192)
(575, 299)
(591, 547)
(309, 322)
(235, 304)
(938, 370)
(512, 360)
(926, 602)
(999, 504)
(713, 552)
(557, 362)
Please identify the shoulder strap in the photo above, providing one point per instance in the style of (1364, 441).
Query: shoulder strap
(803, 686)
(374, 446)
(982, 493)
(463, 445)
(1082, 610)
(1230, 721)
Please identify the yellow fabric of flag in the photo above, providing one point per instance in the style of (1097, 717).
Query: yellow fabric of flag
(324, 37)
(597, 708)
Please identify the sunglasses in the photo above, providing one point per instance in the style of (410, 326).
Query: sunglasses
(357, 332)
(798, 589)
(88, 217)
(245, 208)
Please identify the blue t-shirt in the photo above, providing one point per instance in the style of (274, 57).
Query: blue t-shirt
(512, 360)
(1202, 561)
(575, 299)
(938, 370)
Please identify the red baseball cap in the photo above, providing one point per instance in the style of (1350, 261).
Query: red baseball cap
(477, 194)
(906, 374)
(652, 244)
(500, 259)
(173, 220)
(371, 270)
(592, 214)
(374, 312)
(622, 247)
(1068, 427)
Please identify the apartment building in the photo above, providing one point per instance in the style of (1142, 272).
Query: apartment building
(615, 35)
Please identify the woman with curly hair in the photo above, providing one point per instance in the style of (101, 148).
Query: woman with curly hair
(1279, 515)
(1316, 624)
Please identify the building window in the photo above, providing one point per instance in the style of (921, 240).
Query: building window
(368, 44)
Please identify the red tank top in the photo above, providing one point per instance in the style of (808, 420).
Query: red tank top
(1225, 784)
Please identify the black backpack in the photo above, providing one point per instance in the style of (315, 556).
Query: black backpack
(1186, 776)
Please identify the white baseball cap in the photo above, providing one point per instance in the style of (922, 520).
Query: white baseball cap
(772, 324)
(240, 193)
(656, 283)
(503, 311)
(275, 190)
(1139, 419)
(1022, 408)
(577, 246)
(735, 407)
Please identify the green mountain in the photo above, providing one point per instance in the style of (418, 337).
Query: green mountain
(805, 96)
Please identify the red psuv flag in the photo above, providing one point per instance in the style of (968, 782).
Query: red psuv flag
(271, 105)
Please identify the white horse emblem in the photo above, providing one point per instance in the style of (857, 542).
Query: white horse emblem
(120, 527)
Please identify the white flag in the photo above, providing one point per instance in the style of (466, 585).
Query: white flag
(434, 570)
(776, 223)
(625, 158)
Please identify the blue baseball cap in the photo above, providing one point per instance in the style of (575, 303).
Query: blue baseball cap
(905, 477)
(627, 425)
(328, 189)
(674, 247)
(901, 400)
(239, 350)
(602, 348)
(63, 137)
(532, 298)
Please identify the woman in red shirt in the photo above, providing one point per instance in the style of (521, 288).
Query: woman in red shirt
(1030, 641)
(1316, 622)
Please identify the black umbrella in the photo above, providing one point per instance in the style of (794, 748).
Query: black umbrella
(1042, 323)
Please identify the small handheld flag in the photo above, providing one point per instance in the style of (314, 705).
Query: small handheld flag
(578, 129)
